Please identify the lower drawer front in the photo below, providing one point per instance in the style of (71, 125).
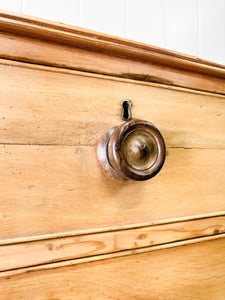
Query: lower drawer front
(194, 271)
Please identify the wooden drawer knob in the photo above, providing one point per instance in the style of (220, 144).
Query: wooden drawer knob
(134, 150)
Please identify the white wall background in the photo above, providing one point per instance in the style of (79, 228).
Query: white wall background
(195, 27)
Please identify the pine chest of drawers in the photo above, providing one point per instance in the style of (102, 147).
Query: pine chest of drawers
(69, 230)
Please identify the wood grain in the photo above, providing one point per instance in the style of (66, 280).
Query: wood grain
(50, 189)
(44, 106)
(186, 272)
(50, 43)
(95, 258)
(52, 115)
(51, 250)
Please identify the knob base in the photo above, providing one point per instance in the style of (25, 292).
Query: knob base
(103, 158)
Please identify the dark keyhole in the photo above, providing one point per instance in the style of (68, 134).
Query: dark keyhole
(126, 106)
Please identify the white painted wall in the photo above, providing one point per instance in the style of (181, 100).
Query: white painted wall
(195, 27)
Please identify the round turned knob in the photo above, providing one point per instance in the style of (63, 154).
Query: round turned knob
(134, 150)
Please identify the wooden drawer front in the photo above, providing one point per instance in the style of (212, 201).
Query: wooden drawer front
(185, 272)
(51, 121)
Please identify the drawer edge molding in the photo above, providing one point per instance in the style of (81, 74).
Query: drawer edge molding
(54, 69)
(80, 232)
(173, 273)
(36, 40)
(89, 247)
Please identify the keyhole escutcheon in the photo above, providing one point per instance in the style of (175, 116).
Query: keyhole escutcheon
(126, 110)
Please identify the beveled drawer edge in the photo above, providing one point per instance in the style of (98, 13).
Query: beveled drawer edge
(71, 262)
(130, 241)
(112, 77)
(32, 238)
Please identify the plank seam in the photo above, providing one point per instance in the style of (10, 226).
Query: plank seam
(94, 145)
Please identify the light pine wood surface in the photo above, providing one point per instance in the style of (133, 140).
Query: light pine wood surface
(189, 272)
(63, 115)
(22, 255)
(42, 193)
(67, 230)
(50, 43)
(43, 105)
